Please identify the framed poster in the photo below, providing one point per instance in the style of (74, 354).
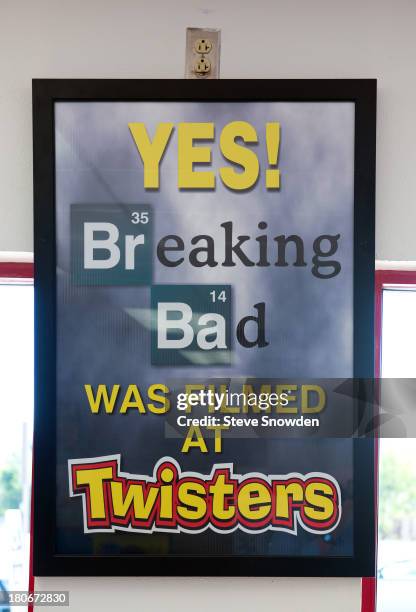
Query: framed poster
(203, 253)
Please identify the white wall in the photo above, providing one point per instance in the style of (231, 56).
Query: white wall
(262, 38)
(207, 594)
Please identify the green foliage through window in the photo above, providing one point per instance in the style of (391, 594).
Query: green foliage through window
(397, 494)
(10, 487)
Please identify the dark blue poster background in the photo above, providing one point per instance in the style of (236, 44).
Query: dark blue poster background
(104, 331)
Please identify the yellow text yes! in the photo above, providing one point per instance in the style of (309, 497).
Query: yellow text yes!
(237, 143)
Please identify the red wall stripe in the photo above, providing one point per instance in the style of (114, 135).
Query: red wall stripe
(16, 269)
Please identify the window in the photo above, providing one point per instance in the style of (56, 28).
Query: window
(396, 586)
(16, 422)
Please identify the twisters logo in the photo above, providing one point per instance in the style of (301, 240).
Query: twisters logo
(172, 500)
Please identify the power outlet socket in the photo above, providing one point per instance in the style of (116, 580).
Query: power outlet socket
(203, 47)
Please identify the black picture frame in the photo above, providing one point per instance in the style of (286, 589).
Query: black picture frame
(45, 93)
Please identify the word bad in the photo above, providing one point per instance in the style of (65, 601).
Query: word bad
(234, 143)
(192, 325)
(172, 500)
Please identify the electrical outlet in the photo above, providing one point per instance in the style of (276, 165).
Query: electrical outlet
(202, 66)
(203, 45)
(202, 53)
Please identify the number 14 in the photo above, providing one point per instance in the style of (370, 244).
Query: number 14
(220, 297)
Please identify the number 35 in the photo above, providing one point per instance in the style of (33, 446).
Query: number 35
(137, 217)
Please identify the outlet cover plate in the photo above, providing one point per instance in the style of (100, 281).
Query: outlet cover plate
(193, 37)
